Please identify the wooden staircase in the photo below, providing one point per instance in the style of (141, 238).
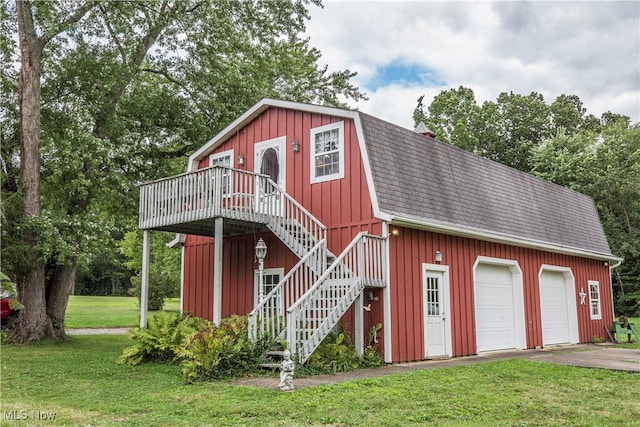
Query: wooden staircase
(313, 296)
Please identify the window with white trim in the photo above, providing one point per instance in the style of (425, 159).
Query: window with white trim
(224, 158)
(327, 153)
(594, 299)
(270, 279)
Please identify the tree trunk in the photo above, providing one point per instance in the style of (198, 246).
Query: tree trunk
(58, 295)
(32, 323)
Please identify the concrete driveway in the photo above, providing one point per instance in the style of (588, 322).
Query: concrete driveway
(582, 355)
(617, 359)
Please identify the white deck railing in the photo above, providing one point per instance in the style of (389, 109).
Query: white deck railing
(268, 319)
(196, 196)
(313, 316)
(221, 191)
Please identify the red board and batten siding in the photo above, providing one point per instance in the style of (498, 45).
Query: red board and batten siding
(343, 205)
(411, 248)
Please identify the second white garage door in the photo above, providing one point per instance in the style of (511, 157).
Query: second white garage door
(558, 311)
(498, 308)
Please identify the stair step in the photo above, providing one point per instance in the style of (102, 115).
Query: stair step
(275, 353)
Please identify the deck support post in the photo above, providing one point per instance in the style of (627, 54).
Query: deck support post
(359, 324)
(359, 304)
(217, 271)
(144, 288)
(182, 280)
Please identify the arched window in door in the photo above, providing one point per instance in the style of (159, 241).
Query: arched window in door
(270, 164)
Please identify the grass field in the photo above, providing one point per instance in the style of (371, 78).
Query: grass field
(108, 312)
(80, 382)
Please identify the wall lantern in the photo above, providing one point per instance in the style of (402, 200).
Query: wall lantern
(241, 160)
(395, 232)
(261, 252)
(438, 257)
(295, 146)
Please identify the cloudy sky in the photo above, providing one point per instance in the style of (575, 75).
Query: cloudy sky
(404, 49)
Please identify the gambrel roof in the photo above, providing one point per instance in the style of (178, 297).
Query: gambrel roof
(417, 181)
(422, 180)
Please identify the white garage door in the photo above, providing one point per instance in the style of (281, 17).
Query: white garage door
(554, 308)
(495, 311)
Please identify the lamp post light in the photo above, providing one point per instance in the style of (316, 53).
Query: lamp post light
(261, 252)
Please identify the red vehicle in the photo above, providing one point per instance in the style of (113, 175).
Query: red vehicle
(6, 311)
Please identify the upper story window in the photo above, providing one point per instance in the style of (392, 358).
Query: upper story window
(224, 158)
(594, 299)
(327, 154)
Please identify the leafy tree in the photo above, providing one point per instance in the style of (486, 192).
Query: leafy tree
(525, 123)
(565, 159)
(615, 187)
(506, 130)
(606, 166)
(164, 267)
(568, 113)
(560, 143)
(452, 115)
(112, 93)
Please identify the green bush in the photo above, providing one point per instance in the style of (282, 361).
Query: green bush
(371, 358)
(221, 351)
(164, 267)
(160, 287)
(337, 353)
(162, 339)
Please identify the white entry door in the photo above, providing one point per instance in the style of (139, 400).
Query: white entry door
(270, 160)
(437, 328)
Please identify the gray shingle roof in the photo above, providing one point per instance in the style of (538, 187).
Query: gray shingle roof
(420, 178)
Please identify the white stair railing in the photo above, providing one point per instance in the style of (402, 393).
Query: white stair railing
(313, 316)
(296, 227)
(268, 318)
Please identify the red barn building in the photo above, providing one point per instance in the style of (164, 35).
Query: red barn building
(370, 223)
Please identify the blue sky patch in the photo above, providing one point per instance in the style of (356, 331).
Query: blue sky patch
(405, 74)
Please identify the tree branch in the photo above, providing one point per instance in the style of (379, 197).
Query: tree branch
(123, 54)
(182, 86)
(67, 23)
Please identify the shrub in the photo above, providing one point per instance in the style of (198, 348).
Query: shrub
(161, 340)
(337, 353)
(160, 287)
(221, 351)
(371, 358)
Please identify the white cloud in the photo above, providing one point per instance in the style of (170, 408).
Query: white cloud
(590, 49)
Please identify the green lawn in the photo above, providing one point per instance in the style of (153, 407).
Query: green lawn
(80, 382)
(108, 312)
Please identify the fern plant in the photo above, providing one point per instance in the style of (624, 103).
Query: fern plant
(221, 351)
(161, 340)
